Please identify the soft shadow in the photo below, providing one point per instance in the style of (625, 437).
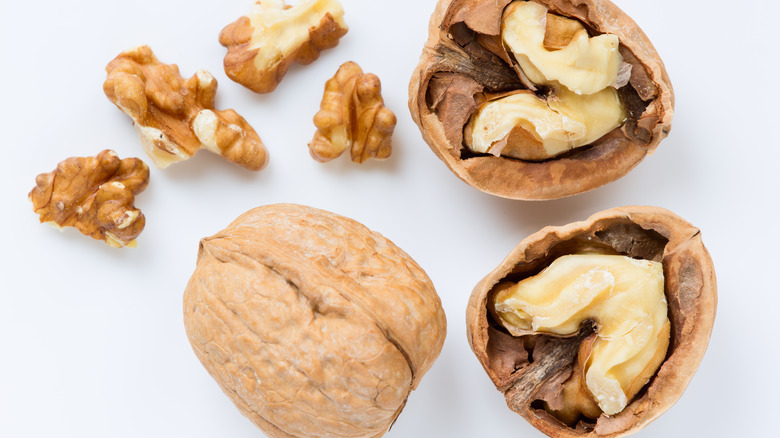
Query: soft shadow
(205, 164)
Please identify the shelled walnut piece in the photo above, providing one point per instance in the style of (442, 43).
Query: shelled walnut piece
(175, 117)
(543, 375)
(95, 195)
(541, 99)
(264, 44)
(624, 297)
(352, 116)
(312, 324)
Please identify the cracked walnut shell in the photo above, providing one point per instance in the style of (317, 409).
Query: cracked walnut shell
(352, 116)
(95, 195)
(175, 117)
(265, 43)
(533, 369)
(467, 63)
(313, 325)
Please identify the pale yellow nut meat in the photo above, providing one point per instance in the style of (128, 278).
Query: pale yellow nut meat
(263, 44)
(556, 124)
(623, 296)
(585, 65)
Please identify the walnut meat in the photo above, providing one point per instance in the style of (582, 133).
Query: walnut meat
(543, 373)
(541, 99)
(312, 324)
(352, 116)
(264, 44)
(95, 195)
(175, 117)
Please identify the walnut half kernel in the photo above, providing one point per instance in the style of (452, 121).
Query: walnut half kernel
(352, 116)
(95, 195)
(264, 44)
(624, 297)
(175, 117)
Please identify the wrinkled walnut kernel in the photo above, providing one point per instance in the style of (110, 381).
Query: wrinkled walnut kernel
(175, 117)
(95, 195)
(263, 45)
(352, 116)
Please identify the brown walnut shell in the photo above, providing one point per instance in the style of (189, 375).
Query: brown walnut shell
(529, 368)
(313, 325)
(464, 60)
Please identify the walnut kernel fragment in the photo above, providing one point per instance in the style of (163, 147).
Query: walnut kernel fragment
(264, 44)
(352, 116)
(175, 117)
(94, 195)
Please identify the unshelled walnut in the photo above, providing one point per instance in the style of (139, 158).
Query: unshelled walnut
(352, 116)
(313, 325)
(264, 44)
(175, 117)
(539, 99)
(595, 328)
(95, 195)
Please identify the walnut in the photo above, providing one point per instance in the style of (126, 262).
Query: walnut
(543, 372)
(311, 323)
(176, 117)
(352, 115)
(95, 195)
(541, 99)
(264, 44)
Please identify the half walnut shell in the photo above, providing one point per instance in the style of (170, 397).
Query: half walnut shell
(529, 369)
(464, 62)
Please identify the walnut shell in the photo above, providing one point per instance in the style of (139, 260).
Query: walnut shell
(313, 325)
(464, 58)
(527, 368)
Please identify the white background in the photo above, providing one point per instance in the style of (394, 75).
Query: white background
(91, 337)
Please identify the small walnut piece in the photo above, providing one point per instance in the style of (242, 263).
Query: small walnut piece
(312, 324)
(595, 328)
(264, 44)
(175, 117)
(352, 116)
(94, 195)
(623, 296)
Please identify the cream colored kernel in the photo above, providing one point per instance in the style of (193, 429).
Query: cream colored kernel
(279, 31)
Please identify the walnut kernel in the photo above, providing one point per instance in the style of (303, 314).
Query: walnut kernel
(95, 195)
(175, 117)
(352, 116)
(264, 44)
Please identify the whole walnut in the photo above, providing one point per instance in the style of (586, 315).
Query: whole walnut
(312, 324)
